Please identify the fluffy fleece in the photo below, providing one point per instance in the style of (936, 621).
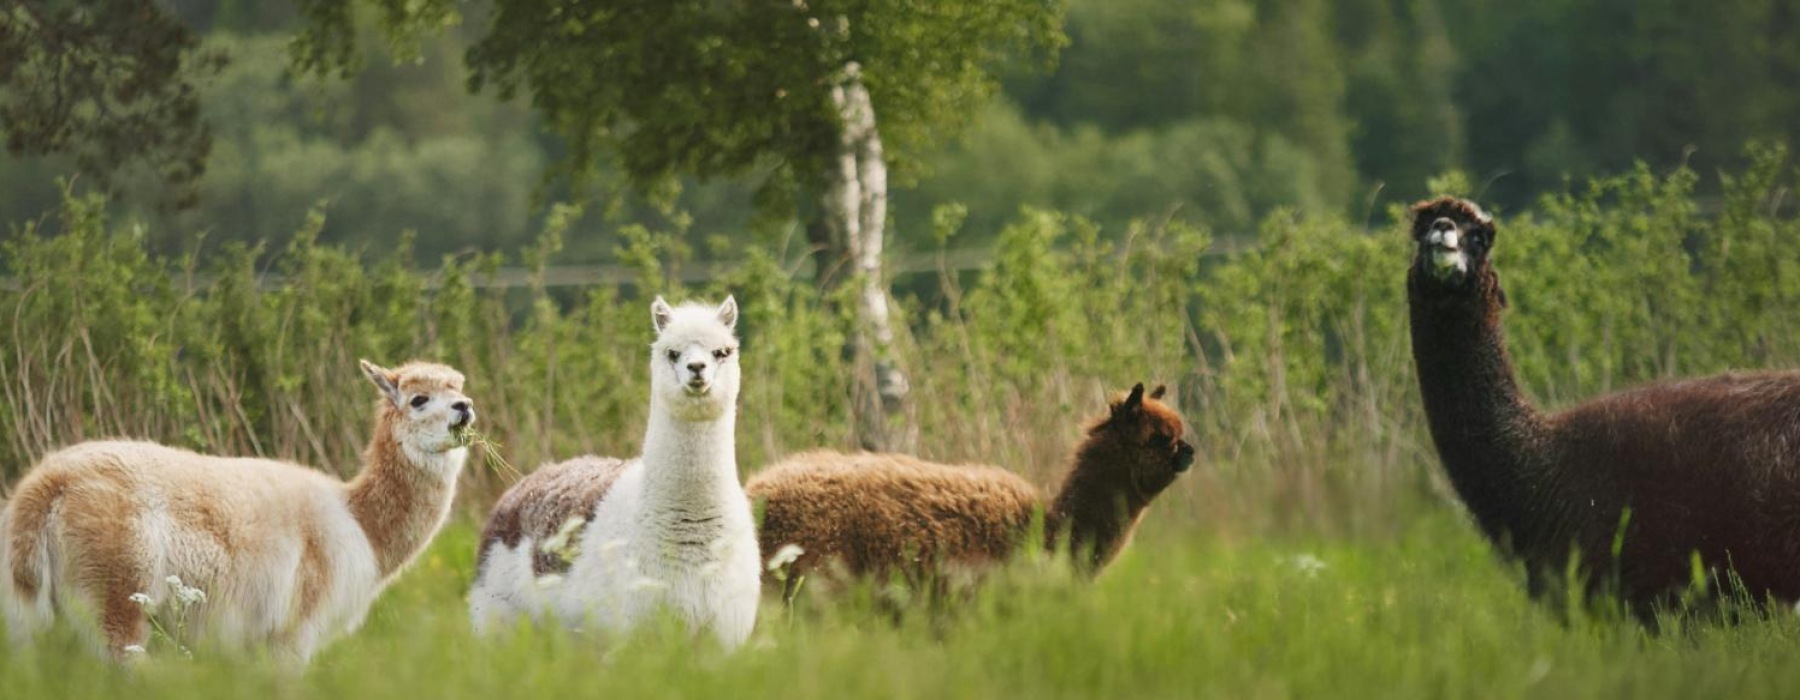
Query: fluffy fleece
(288, 557)
(605, 543)
(1639, 485)
(887, 514)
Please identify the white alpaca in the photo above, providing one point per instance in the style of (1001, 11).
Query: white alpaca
(287, 556)
(607, 542)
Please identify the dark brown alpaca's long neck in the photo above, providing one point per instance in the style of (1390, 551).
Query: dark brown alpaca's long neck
(399, 507)
(1096, 508)
(1492, 441)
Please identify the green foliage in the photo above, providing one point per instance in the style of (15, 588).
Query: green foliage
(710, 89)
(108, 84)
(1220, 172)
(1290, 357)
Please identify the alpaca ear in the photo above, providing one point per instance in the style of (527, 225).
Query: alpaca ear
(384, 379)
(660, 313)
(1157, 393)
(1132, 403)
(728, 312)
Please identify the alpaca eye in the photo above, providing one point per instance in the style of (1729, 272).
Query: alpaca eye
(721, 353)
(419, 401)
(1160, 442)
(674, 356)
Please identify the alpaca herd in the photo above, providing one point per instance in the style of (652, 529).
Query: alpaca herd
(1639, 491)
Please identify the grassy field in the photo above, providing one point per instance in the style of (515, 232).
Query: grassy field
(1426, 613)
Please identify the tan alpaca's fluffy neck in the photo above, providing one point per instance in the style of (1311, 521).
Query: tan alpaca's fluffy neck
(1097, 506)
(399, 504)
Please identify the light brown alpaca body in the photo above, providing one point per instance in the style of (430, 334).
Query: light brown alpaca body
(886, 514)
(286, 555)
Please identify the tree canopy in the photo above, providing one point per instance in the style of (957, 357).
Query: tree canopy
(711, 88)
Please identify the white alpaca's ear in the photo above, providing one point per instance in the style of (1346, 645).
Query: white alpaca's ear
(383, 379)
(660, 313)
(728, 312)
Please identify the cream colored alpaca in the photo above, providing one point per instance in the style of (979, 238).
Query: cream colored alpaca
(288, 557)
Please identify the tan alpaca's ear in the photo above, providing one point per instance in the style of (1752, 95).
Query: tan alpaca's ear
(1157, 393)
(660, 313)
(384, 379)
(728, 312)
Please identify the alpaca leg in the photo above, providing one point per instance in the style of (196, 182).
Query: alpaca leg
(124, 623)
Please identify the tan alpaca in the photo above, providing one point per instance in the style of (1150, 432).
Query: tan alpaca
(887, 514)
(287, 556)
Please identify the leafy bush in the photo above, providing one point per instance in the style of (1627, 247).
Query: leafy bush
(1291, 359)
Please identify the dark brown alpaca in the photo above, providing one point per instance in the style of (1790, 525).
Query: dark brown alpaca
(886, 514)
(1663, 473)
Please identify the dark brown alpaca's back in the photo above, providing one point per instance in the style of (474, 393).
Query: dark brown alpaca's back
(1706, 465)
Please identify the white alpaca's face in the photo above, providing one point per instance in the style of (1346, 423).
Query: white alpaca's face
(429, 411)
(693, 363)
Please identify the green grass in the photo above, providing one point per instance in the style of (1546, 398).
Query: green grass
(1427, 613)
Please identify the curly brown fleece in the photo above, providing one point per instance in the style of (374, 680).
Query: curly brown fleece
(888, 514)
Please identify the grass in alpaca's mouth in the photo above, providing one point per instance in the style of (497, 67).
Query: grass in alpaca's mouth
(467, 436)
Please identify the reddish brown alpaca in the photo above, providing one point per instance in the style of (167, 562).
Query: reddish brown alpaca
(882, 514)
(1703, 467)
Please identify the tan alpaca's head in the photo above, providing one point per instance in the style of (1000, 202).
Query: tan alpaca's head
(1454, 237)
(1148, 433)
(693, 363)
(423, 404)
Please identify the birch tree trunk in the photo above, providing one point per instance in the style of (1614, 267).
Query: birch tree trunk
(854, 221)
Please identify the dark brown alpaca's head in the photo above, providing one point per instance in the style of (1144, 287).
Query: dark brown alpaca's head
(1148, 434)
(1453, 238)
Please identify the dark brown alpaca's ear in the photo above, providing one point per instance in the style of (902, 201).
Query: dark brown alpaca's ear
(1132, 403)
(1157, 393)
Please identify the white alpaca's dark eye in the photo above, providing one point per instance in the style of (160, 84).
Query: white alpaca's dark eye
(674, 356)
(420, 401)
(721, 353)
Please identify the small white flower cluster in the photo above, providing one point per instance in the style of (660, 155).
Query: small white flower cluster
(1308, 565)
(185, 595)
(785, 556)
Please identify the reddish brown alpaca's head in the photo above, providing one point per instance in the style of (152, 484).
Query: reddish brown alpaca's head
(1146, 435)
(1131, 455)
(1454, 238)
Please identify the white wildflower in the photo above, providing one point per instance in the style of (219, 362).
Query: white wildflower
(785, 556)
(142, 599)
(1308, 564)
(184, 594)
(134, 649)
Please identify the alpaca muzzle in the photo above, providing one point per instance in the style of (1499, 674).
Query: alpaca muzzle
(1444, 243)
(1184, 457)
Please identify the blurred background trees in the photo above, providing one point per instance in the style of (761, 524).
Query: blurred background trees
(1218, 110)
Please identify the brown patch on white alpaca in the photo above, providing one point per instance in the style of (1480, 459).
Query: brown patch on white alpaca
(312, 576)
(881, 514)
(31, 506)
(104, 563)
(539, 505)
